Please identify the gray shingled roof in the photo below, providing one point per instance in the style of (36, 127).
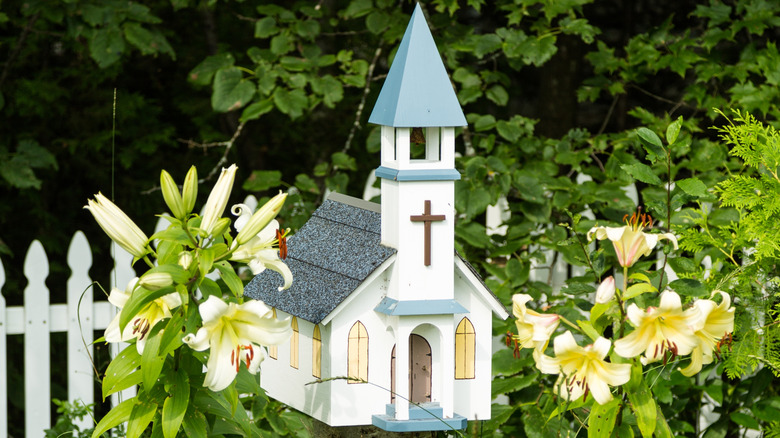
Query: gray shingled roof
(330, 256)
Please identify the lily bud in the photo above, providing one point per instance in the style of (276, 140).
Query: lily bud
(217, 201)
(221, 226)
(171, 195)
(261, 218)
(155, 280)
(190, 190)
(185, 259)
(119, 227)
(606, 290)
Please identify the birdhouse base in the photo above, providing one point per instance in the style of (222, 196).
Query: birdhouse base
(426, 416)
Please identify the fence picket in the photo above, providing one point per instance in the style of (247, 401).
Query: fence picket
(37, 369)
(80, 314)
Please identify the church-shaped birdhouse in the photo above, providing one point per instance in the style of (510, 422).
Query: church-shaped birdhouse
(390, 322)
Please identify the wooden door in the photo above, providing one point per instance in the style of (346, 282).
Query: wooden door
(419, 369)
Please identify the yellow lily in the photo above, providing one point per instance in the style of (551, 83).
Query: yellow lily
(717, 321)
(583, 370)
(217, 201)
(658, 330)
(533, 328)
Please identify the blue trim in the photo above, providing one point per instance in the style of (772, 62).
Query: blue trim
(390, 306)
(426, 416)
(417, 175)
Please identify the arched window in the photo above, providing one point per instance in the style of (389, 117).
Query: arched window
(316, 352)
(294, 343)
(273, 351)
(464, 350)
(357, 354)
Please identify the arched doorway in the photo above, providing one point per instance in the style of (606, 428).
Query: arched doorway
(420, 370)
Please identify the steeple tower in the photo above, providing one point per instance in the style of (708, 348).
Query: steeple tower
(418, 111)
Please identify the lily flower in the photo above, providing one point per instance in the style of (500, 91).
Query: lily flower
(717, 321)
(583, 370)
(139, 327)
(606, 290)
(256, 222)
(235, 333)
(662, 329)
(119, 227)
(260, 252)
(630, 241)
(218, 198)
(533, 328)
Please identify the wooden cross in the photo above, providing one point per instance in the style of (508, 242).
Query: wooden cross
(426, 218)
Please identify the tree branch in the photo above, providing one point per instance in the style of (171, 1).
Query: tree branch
(366, 90)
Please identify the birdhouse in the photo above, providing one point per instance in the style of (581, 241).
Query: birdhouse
(392, 325)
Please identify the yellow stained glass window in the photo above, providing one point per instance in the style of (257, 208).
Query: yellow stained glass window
(357, 354)
(294, 343)
(464, 350)
(316, 352)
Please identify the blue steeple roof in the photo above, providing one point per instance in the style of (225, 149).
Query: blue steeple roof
(417, 91)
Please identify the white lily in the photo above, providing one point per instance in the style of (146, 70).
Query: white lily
(119, 227)
(218, 198)
(629, 241)
(583, 370)
(143, 321)
(717, 321)
(235, 333)
(533, 328)
(260, 252)
(658, 330)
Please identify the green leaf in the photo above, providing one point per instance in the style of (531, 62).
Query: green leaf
(194, 423)
(306, 184)
(139, 299)
(602, 418)
(642, 172)
(230, 278)
(638, 289)
(116, 416)
(175, 405)
(744, 420)
(140, 417)
(673, 130)
(692, 186)
(498, 95)
(588, 329)
(265, 27)
(643, 406)
(662, 429)
(151, 362)
(652, 144)
(512, 384)
(231, 91)
(342, 160)
(257, 109)
(204, 72)
(172, 333)
(122, 371)
(689, 287)
(148, 42)
(292, 103)
(106, 46)
(262, 180)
